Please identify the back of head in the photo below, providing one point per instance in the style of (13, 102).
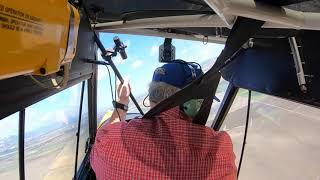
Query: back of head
(170, 78)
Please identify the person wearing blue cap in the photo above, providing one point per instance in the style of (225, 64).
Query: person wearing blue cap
(167, 146)
(172, 77)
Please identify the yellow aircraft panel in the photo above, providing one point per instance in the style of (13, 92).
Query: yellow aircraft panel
(36, 37)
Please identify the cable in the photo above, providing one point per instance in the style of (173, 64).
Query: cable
(78, 131)
(111, 89)
(56, 85)
(115, 92)
(115, 85)
(39, 83)
(144, 103)
(196, 64)
(245, 133)
(110, 83)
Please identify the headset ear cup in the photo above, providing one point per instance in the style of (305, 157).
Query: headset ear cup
(184, 109)
(192, 107)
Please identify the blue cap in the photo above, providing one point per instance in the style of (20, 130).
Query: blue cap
(177, 73)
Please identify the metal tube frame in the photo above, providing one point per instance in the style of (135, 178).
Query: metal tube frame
(201, 20)
(224, 108)
(79, 130)
(227, 12)
(92, 105)
(298, 64)
(84, 169)
(150, 32)
(185, 22)
(22, 116)
(106, 55)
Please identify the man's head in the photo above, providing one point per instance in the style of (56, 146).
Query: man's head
(170, 78)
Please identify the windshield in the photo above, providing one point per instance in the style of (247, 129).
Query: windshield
(143, 55)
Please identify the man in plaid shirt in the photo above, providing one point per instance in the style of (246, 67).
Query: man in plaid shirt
(168, 146)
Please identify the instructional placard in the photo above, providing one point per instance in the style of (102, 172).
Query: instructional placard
(15, 20)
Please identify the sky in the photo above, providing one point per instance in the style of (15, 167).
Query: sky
(142, 60)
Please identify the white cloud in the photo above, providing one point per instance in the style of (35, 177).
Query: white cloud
(184, 52)
(102, 72)
(127, 43)
(32, 113)
(53, 99)
(57, 115)
(136, 64)
(126, 77)
(199, 52)
(74, 95)
(60, 116)
(154, 51)
(9, 126)
(99, 55)
(118, 60)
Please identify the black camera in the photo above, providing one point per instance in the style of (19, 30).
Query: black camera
(120, 47)
(167, 52)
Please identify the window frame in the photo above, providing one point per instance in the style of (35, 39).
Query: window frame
(21, 135)
(225, 106)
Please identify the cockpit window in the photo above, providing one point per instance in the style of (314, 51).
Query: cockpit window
(281, 140)
(143, 59)
(9, 159)
(50, 135)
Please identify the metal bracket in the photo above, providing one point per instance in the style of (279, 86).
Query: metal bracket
(248, 44)
(96, 62)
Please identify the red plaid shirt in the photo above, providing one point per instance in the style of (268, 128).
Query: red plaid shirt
(169, 146)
